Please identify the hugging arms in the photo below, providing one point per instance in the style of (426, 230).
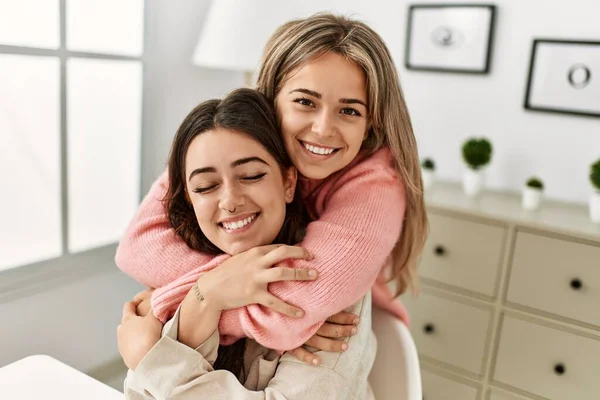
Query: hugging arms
(347, 132)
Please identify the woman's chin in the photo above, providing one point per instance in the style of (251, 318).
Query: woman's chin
(240, 247)
(237, 250)
(315, 172)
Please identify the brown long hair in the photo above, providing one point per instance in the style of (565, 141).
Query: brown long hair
(298, 42)
(249, 112)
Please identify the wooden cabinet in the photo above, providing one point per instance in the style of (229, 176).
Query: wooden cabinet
(495, 394)
(463, 253)
(439, 336)
(510, 299)
(436, 387)
(548, 362)
(556, 276)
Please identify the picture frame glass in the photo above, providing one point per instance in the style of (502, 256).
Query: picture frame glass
(565, 76)
(450, 38)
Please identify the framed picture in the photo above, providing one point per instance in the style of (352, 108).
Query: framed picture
(564, 77)
(450, 37)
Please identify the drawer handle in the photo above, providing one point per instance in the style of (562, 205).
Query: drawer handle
(439, 250)
(429, 329)
(560, 369)
(576, 284)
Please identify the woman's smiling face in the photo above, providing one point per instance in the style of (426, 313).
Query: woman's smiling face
(322, 110)
(237, 190)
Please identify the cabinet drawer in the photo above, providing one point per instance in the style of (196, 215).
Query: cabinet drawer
(556, 276)
(449, 331)
(497, 395)
(530, 357)
(463, 253)
(436, 387)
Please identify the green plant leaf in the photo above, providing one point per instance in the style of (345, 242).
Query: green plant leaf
(477, 152)
(429, 164)
(535, 183)
(595, 174)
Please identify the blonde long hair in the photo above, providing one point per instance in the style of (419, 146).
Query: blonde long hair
(300, 41)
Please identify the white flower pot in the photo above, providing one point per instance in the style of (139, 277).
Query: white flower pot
(473, 182)
(531, 198)
(428, 178)
(595, 207)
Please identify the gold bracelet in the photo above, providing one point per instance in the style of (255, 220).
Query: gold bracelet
(199, 295)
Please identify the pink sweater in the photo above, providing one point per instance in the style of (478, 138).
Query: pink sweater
(358, 214)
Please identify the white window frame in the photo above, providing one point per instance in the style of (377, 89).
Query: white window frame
(28, 279)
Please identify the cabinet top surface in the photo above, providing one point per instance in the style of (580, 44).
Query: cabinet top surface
(553, 216)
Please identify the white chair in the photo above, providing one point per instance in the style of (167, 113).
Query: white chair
(396, 373)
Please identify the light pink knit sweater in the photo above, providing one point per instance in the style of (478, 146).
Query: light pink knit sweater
(358, 214)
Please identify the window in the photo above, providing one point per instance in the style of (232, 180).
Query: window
(70, 125)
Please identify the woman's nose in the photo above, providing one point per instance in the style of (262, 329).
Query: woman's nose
(232, 198)
(324, 125)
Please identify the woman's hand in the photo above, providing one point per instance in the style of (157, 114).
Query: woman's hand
(243, 279)
(329, 337)
(136, 335)
(144, 305)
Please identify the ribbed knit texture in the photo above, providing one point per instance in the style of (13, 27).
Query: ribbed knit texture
(360, 212)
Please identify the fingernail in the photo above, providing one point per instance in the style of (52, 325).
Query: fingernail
(299, 313)
(344, 347)
(315, 361)
(356, 321)
(354, 331)
(312, 272)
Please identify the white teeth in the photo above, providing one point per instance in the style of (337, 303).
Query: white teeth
(317, 150)
(238, 224)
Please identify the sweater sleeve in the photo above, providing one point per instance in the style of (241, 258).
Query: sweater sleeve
(350, 242)
(150, 251)
(166, 299)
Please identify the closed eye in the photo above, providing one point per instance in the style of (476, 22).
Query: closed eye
(253, 178)
(204, 189)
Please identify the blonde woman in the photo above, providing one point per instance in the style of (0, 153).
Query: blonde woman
(347, 130)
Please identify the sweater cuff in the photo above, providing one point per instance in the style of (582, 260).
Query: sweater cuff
(163, 300)
(208, 349)
(167, 365)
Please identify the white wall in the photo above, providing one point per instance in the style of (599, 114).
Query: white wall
(172, 85)
(75, 322)
(448, 108)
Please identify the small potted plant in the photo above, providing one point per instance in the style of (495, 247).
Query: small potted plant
(532, 193)
(428, 172)
(476, 153)
(595, 198)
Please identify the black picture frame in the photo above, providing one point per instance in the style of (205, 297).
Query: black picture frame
(466, 68)
(586, 74)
